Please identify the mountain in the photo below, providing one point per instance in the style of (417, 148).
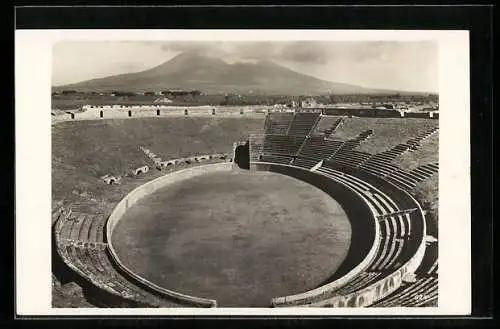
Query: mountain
(213, 75)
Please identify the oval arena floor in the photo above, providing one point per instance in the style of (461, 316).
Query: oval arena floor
(239, 237)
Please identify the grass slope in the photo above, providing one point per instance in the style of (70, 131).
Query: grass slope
(82, 151)
(427, 191)
(427, 153)
(428, 194)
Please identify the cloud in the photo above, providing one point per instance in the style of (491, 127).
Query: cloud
(379, 51)
(208, 48)
(287, 51)
(309, 52)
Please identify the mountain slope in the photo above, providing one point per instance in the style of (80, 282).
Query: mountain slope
(213, 75)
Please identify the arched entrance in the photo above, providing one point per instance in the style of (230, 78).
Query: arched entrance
(242, 156)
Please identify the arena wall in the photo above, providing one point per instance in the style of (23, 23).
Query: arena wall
(139, 193)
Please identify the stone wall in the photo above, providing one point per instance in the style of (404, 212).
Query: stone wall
(122, 112)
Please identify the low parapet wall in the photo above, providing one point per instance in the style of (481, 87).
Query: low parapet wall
(136, 195)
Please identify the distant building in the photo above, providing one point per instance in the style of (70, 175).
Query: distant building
(69, 92)
(311, 102)
(162, 100)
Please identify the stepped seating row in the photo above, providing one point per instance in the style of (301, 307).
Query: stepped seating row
(302, 123)
(277, 123)
(83, 207)
(318, 148)
(361, 281)
(346, 154)
(392, 153)
(282, 144)
(388, 131)
(326, 125)
(393, 229)
(304, 163)
(351, 144)
(401, 179)
(427, 170)
(275, 159)
(389, 253)
(413, 217)
(349, 158)
(427, 269)
(380, 163)
(256, 146)
(96, 266)
(409, 179)
(355, 142)
(378, 167)
(82, 227)
(416, 294)
(414, 143)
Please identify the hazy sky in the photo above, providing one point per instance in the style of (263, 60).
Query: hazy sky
(411, 66)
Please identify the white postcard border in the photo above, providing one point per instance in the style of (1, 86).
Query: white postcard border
(33, 62)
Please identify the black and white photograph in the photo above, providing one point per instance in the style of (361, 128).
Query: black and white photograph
(258, 174)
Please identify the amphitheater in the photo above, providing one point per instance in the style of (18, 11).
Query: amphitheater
(359, 228)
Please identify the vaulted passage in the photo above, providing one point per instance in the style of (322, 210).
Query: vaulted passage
(242, 156)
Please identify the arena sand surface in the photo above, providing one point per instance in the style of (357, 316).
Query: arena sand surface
(239, 237)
